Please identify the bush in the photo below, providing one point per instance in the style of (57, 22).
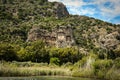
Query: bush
(83, 73)
(65, 54)
(113, 74)
(117, 62)
(103, 64)
(34, 51)
(101, 67)
(7, 52)
(55, 61)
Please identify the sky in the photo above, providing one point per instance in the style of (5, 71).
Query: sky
(106, 10)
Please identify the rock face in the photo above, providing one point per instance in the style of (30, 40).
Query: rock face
(13, 1)
(60, 37)
(35, 8)
(60, 10)
(109, 41)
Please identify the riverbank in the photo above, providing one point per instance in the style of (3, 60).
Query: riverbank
(88, 67)
(45, 78)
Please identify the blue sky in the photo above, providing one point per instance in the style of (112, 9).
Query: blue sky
(106, 10)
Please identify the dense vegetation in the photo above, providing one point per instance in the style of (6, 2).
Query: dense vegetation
(90, 66)
(37, 52)
(92, 53)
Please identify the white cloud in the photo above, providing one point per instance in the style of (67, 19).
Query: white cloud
(75, 3)
(53, 0)
(75, 6)
(107, 13)
(80, 11)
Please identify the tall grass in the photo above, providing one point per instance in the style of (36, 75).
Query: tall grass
(87, 67)
(113, 74)
(97, 68)
(12, 69)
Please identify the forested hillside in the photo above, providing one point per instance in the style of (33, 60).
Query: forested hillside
(18, 17)
(96, 49)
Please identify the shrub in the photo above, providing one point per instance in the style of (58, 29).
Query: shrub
(101, 67)
(34, 51)
(7, 52)
(113, 74)
(103, 64)
(54, 60)
(65, 54)
(117, 62)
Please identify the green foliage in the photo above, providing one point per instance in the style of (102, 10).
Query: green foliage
(111, 54)
(54, 60)
(103, 64)
(117, 62)
(65, 54)
(12, 69)
(34, 51)
(5, 15)
(101, 67)
(16, 21)
(83, 73)
(17, 17)
(24, 55)
(102, 54)
(113, 74)
(7, 52)
(37, 52)
(92, 66)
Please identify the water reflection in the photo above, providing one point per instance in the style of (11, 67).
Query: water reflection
(44, 78)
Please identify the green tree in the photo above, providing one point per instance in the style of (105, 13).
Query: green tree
(23, 54)
(7, 52)
(55, 61)
(34, 51)
(65, 54)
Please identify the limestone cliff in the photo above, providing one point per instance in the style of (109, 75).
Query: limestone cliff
(60, 10)
(61, 36)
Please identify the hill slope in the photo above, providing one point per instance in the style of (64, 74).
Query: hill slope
(18, 17)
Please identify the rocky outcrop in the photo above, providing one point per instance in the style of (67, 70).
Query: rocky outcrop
(109, 41)
(14, 1)
(36, 33)
(35, 8)
(60, 10)
(60, 37)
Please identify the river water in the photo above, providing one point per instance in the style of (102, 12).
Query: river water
(44, 78)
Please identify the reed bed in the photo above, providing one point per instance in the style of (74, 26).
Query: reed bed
(11, 69)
